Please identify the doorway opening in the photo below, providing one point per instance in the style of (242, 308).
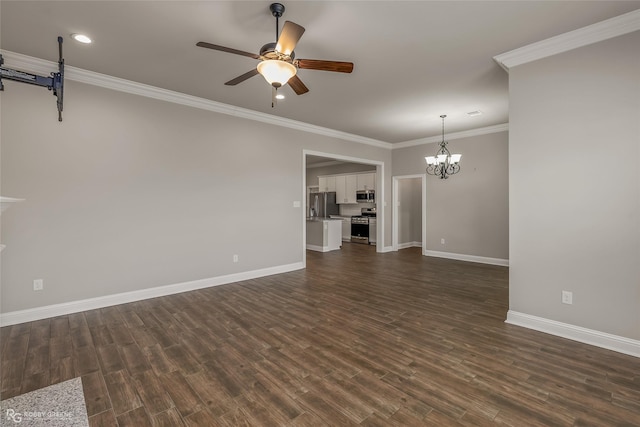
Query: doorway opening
(317, 164)
(409, 219)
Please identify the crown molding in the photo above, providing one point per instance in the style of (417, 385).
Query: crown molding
(504, 127)
(614, 27)
(43, 67)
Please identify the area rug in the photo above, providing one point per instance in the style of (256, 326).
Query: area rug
(61, 405)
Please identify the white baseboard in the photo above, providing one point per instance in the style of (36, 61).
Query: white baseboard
(319, 248)
(384, 249)
(470, 258)
(575, 333)
(409, 245)
(29, 315)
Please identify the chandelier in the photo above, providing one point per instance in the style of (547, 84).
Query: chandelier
(443, 163)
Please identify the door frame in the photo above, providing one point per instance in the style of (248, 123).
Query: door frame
(395, 201)
(380, 195)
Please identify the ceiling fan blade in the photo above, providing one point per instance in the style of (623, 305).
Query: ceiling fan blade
(289, 36)
(298, 87)
(227, 49)
(242, 78)
(317, 64)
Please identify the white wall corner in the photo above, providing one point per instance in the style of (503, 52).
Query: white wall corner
(469, 258)
(600, 31)
(575, 333)
(30, 315)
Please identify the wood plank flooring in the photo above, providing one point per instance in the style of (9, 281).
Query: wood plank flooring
(358, 338)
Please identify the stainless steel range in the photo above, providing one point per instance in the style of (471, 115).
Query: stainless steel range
(360, 232)
(360, 229)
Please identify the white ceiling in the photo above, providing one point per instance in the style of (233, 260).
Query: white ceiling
(414, 60)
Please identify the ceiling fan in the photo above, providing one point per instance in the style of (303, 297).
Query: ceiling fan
(277, 60)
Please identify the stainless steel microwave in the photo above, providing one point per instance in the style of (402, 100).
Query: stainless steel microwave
(365, 196)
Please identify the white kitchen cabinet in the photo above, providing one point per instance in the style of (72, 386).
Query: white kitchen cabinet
(346, 189)
(351, 187)
(327, 183)
(347, 185)
(346, 229)
(341, 189)
(366, 181)
(323, 235)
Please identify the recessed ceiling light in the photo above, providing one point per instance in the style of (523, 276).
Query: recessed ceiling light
(474, 113)
(81, 38)
(279, 96)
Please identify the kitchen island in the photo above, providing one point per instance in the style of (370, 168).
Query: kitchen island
(324, 234)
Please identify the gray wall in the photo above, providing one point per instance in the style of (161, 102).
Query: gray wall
(575, 186)
(409, 210)
(129, 193)
(469, 210)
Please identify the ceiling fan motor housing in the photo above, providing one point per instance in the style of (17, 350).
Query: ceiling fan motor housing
(277, 9)
(269, 52)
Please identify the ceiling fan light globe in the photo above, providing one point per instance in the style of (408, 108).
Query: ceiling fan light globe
(276, 72)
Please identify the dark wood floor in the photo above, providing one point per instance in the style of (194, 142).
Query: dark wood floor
(358, 338)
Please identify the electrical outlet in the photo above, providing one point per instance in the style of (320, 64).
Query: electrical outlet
(567, 297)
(38, 285)
(442, 241)
(235, 258)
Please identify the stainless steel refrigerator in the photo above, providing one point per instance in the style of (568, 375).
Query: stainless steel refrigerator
(323, 204)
